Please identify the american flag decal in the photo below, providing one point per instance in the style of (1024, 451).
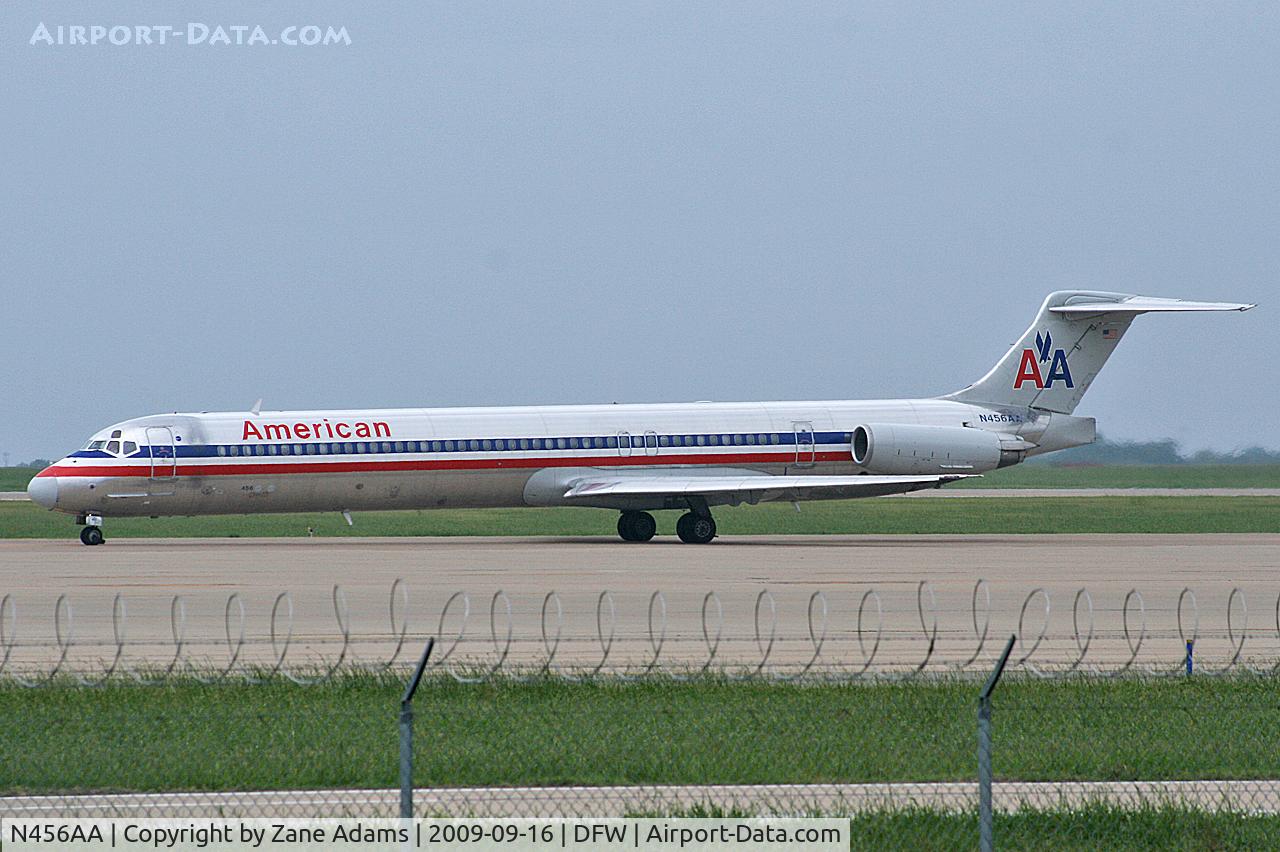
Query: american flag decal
(1110, 332)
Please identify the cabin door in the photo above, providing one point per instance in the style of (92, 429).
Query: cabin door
(164, 459)
(806, 446)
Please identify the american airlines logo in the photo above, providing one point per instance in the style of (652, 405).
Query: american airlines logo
(1029, 368)
(322, 429)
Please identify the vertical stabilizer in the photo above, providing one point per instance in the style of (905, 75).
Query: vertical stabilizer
(1059, 356)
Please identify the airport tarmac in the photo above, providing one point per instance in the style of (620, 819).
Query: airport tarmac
(1252, 796)
(205, 573)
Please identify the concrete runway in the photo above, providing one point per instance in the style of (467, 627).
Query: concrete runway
(1252, 796)
(150, 572)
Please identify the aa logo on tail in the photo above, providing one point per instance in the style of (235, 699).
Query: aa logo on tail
(1029, 368)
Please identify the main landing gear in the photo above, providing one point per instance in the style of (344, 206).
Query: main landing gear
(694, 527)
(92, 534)
(637, 526)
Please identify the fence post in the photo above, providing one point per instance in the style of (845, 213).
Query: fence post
(986, 835)
(406, 734)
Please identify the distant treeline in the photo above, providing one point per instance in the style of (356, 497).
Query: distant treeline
(1104, 451)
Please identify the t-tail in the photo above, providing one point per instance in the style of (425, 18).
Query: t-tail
(1063, 351)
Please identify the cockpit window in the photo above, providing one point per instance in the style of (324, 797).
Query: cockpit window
(96, 445)
(113, 447)
(115, 434)
(130, 448)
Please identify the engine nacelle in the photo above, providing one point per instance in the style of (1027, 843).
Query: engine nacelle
(903, 449)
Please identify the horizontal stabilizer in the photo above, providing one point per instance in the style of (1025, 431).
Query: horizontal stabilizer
(1145, 304)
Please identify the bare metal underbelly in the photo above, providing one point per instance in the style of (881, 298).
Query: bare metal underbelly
(319, 492)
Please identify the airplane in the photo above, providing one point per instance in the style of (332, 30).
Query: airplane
(633, 459)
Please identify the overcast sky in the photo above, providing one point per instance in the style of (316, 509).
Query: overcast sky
(481, 203)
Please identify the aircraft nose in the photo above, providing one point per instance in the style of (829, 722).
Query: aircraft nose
(43, 490)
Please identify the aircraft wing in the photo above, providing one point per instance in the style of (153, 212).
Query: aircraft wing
(757, 487)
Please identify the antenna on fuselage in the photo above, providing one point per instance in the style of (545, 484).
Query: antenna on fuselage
(257, 407)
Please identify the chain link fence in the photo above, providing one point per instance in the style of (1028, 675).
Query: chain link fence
(863, 632)
(1139, 722)
(1080, 761)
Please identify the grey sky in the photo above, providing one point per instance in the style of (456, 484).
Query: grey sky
(525, 203)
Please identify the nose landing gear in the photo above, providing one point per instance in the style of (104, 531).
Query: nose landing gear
(92, 534)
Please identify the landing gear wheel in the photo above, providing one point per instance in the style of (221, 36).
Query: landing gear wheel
(636, 526)
(92, 535)
(696, 529)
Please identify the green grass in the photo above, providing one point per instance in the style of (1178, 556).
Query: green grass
(16, 478)
(1089, 828)
(1130, 476)
(281, 736)
(881, 516)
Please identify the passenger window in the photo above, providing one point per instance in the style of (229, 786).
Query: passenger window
(650, 440)
(714, 440)
(435, 446)
(130, 448)
(573, 443)
(473, 445)
(737, 439)
(663, 440)
(222, 451)
(114, 446)
(486, 444)
(273, 450)
(751, 439)
(561, 443)
(774, 439)
(286, 450)
(524, 443)
(399, 446)
(702, 440)
(611, 442)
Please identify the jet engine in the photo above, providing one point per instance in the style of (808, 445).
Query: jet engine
(899, 449)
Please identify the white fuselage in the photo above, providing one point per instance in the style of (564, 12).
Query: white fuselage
(219, 463)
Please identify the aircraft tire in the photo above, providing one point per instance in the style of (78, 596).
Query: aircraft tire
(643, 527)
(92, 536)
(636, 526)
(696, 529)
